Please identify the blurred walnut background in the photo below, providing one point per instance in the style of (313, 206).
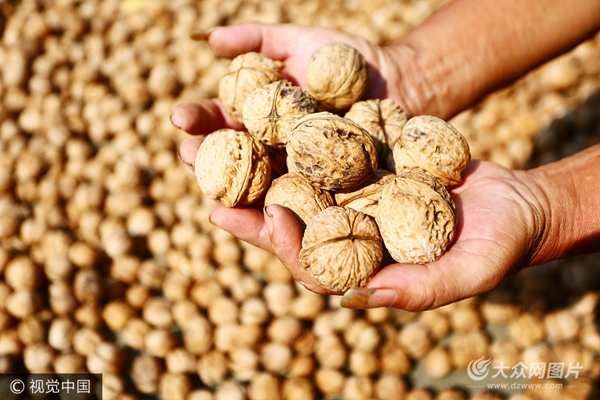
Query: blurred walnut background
(108, 263)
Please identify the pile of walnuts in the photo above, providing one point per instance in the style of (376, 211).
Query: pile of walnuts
(360, 177)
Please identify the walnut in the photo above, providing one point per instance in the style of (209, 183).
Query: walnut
(383, 119)
(337, 75)
(333, 152)
(466, 347)
(145, 373)
(416, 222)
(272, 110)
(414, 339)
(429, 180)
(232, 167)
(437, 362)
(245, 73)
(526, 330)
(295, 192)
(341, 248)
(365, 197)
(433, 145)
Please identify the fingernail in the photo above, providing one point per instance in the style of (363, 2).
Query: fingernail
(360, 298)
(190, 166)
(202, 35)
(268, 219)
(172, 122)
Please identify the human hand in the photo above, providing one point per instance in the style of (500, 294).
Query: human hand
(292, 44)
(499, 227)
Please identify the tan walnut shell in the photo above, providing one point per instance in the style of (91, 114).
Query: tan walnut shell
(245, 73)
(433, 145)
(333, 152)
(365, 197)
(271, 111)
(299, 195)
(383, 119)
(232, 167)
(428, 179)
(416, 222)
(341, 248)
(337, 75)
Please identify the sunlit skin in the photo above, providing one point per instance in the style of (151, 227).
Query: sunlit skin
(507, 219)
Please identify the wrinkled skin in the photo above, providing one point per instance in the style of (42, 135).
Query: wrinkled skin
(499, 212)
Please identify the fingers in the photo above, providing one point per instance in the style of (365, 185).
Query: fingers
(459, 274)
(198, 119)
(202, 117)
(276, 41)
(245, 223)
(188, 150)
(286, 242)
(275, 230)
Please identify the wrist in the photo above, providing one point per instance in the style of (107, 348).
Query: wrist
(409, 82)
(428, 83)
(567, 195)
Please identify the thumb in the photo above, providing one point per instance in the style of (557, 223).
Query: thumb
(276, 41)
(286, 242)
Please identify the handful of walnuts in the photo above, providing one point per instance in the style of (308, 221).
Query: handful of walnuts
(360, 177)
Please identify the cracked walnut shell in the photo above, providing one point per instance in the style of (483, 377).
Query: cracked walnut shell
(245, 73)
(341, 248)
(272, 110)
(383, 119)
(433, 145)
(337, 75)
(299, 195)
(333, 152)
(416, 222)
(232, 167)
(365, 197)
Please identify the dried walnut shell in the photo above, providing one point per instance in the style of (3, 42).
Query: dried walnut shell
(416, 222)
(428, 179)
(232, 167)
(337, 75)
(245, 73)
(272, 110)
(299, 195)
(433, 145)
(333, 152)
(383, 119)
(365, 197)
(341, 248)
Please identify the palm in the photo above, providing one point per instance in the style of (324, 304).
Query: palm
(495, 221)
(494, 226)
